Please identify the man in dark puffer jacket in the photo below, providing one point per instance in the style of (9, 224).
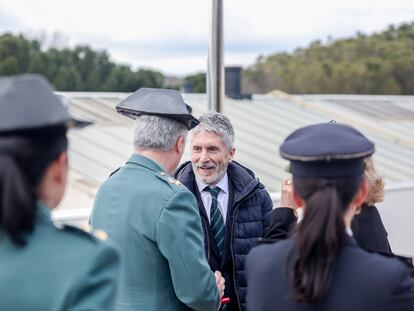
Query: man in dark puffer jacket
(244, 205)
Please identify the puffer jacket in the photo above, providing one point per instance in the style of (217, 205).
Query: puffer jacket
(248, 216)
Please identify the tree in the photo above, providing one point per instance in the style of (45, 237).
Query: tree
(382, 63)
(9, 66)
(78, 69)
(197, 81)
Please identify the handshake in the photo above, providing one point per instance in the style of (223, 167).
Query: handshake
(220, 282)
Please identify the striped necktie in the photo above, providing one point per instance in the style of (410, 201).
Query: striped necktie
(216, 219)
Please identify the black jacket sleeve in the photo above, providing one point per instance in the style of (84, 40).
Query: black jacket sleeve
(282, 221)
(369, 231)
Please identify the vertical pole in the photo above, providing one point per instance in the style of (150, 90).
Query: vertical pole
(216, 59)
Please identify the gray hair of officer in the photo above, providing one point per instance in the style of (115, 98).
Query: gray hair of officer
(159, 133)
(218, 123)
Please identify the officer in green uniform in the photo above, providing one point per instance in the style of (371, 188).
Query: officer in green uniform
(43, 267)
(153, 218)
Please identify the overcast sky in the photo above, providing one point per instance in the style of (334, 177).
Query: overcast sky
(173, 36)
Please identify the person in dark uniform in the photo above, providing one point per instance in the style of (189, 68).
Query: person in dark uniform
(367, 226)
(43, 267)
(321, 267)
(152, 217)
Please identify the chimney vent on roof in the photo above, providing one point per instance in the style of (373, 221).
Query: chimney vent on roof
(233, 83)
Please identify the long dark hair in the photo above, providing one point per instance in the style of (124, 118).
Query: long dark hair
(24, 158)
(320, 234)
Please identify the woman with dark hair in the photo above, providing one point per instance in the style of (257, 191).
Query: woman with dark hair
(321, 267)
(43, 267)
(367, 226)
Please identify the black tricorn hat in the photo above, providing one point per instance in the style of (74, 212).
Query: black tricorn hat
(158, 102)
(28, 102)
(328, 150)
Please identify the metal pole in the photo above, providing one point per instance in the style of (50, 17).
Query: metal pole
(216, 57)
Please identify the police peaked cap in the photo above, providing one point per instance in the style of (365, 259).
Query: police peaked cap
(328, 150)
(28, 102)
(158, 102)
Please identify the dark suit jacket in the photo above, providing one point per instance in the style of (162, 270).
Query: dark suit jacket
(361, 281)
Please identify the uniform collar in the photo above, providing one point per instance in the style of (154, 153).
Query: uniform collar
(146, 162)
(43, 212)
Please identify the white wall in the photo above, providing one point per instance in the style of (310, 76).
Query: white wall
(397, 212)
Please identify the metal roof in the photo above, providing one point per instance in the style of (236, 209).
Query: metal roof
(260, 125)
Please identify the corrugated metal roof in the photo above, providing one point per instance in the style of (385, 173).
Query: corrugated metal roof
(260, 125)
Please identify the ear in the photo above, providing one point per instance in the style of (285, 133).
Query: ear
(60, 167)
(180, 145)
(231, 154)
(362, 193)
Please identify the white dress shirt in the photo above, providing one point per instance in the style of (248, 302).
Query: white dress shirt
(222, 199)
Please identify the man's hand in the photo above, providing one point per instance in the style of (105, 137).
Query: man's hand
(220, 283)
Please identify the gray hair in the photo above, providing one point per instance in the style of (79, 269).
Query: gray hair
(155, 132)
(218, 123)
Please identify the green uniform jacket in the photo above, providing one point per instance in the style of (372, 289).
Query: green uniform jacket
(58, 269)
(154, 221)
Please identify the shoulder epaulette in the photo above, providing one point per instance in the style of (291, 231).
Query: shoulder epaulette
(169, 179)
(174, 181)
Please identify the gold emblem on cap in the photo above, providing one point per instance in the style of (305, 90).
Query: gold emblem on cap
(174, 181)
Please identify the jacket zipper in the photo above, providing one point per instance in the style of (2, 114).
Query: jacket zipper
(231, 246)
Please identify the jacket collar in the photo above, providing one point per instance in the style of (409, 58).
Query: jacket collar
(186, 175)
(137, 159)
(243, 180)
(43, 212)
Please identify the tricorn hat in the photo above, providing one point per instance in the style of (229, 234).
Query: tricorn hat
(28, 102)
(158, 102)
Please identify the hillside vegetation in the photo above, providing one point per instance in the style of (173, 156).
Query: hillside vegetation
(77, 69)
(382, 63)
